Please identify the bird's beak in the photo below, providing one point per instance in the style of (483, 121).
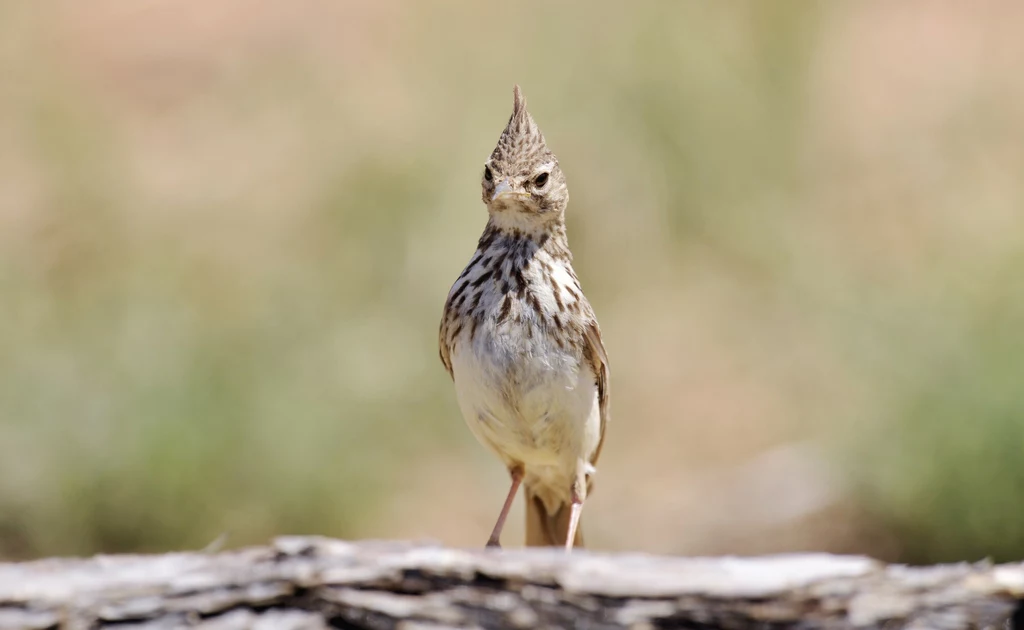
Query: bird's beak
(504, 189)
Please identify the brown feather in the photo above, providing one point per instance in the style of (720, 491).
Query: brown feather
(544, 529)
(594, 351)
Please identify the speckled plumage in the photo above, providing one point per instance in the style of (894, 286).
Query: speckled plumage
(521, 341)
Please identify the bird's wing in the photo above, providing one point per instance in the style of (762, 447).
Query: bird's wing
(442, 344)
(595, 353)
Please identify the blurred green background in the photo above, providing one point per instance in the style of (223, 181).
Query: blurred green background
(227, 230)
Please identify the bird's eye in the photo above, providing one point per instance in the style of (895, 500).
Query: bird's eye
(487, 173)
(540, 180)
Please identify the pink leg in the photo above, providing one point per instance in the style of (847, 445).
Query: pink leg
(517, 478)
(574, 519)
(578, 494)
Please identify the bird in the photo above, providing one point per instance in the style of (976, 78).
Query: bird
(522, 343)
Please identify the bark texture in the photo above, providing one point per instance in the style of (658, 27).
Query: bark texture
(320, 583)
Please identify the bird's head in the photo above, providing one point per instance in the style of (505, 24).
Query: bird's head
(522, 175)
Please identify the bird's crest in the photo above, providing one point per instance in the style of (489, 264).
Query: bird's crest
(520, 116)
(521, 143)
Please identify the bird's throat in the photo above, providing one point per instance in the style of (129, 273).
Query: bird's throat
(519, 219)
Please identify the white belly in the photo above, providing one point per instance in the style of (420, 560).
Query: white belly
(529, 401)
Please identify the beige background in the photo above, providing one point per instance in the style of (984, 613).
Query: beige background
(227, 230)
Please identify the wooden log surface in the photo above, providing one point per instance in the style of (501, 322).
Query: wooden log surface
(301, 582)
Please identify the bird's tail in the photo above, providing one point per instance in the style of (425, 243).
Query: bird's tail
(548, 529)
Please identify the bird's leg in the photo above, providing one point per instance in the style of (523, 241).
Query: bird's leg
(579, 494)
(517, 478)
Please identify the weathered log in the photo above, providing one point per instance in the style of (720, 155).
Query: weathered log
(320, 583)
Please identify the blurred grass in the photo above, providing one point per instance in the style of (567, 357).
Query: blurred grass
(226, 235)
(936, 462)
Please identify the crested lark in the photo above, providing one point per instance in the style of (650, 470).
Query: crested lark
(521, 341)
